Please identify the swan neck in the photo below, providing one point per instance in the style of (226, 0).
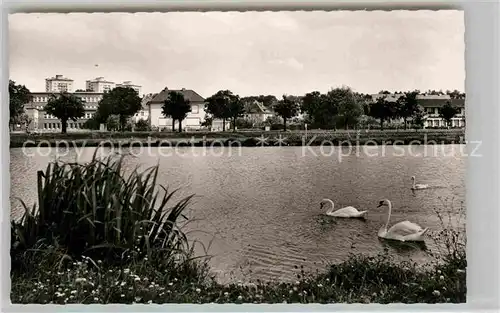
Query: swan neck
(389, 204)
(333, 205)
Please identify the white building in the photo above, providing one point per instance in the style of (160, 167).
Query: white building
(59, 83)
(99, 85)
(256, 112)
(128, 84)
(193, 119)
(143, 114)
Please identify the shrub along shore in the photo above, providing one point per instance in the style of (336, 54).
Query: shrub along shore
(242, 138)
(98, 235)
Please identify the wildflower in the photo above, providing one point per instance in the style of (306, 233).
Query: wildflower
(123, 283)
(460, 271)
(80, 280)
(295, 289)
(436, 293)
(126, 271)
(137, 278)
(96, 299)
(441, 277)
(226, 294)
(198, 290)
(145, 258)
(170, 284)
(73, 292)
(290, 292)
(284, 302)
(320, 285)
(297, 283)
(150, 301)
(304, 292)
(122, 295)
(439, 271)
(374, 294)
(137, 299)
(79, 263)
(240, 298)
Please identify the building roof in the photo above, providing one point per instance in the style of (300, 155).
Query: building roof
(437, 103)
(146, 99)
(189, 94)
(59, 77)
(256, 107)
(99, 80)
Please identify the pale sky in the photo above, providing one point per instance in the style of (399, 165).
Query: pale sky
(249, 53)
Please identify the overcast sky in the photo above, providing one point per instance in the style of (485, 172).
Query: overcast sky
(249, 53)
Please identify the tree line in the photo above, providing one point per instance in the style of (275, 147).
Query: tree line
(337, 108)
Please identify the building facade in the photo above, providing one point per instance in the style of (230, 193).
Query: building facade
(59, 83)
(256, 112)
(42, 121)
(99, 85)
(194, 118)
(431, 105)
(128, 84)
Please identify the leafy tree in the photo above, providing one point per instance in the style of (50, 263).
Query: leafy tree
(19, 95)
(92, 123)
(217, 105)
(419, 117)
(235, 109)
(176, 107)
(286, 109)
(407, 106)
(142, 125)
(447, 112)
(382, 110)
(113, 123)
(320, 108)
(348, 105)
(65, 107)
(121, 101)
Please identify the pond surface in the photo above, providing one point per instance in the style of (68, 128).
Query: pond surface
(258, 208)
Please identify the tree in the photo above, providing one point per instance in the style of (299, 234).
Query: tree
(348, 106)
(320, 108)
(447, 112)
(407, 106)
(235, 109)
(419, 118)
(286, 109)
(217, 105)
(176, 107)
(65, 107)
(382, 110)
(207, 122)
(19, 95)
(121, 101)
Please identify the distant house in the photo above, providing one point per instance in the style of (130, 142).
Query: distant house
(193, 119)
(431, 105)
(143, 114)
(256, 112)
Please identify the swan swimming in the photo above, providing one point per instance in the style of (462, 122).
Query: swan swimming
(418, 186)
(402, 231)
(348, 211)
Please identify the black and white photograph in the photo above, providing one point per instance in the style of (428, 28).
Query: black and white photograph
(251, 157)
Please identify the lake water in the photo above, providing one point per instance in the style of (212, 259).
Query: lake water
(258, 208)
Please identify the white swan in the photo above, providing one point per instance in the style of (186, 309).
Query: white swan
(402, 231)
(348, 211)
(418, 186)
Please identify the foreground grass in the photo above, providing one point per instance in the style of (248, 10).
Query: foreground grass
(358, 280)
(100, 236)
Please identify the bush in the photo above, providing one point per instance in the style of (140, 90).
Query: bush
(96, 210)
(142, 125)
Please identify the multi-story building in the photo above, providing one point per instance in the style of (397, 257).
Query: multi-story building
(59, 83)
(193, 119)
(99, 85)
(431, 105)
(130, 85)
(45, 122)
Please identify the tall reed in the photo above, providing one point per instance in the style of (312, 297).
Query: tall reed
(96, 210)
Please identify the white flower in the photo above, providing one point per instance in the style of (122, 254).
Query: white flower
(122, 295)
(436, 293)
(123, 283)
(137, 278)
(80, 280)
(226, 294)
(297, 282)
(198, 290)
(439, 271)
(150, 301)
(73, 292)
(96, 299)
(170, 284)
(460, 271)
(320, 285)
(126, 271)
(441, 277)
(240, 298)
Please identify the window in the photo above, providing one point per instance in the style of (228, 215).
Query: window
(194, 109)
(44, 125)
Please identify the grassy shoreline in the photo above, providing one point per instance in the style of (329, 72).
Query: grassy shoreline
(248, 139)
(98, 235)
